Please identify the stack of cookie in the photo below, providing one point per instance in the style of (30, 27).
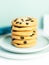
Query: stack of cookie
(24, 32)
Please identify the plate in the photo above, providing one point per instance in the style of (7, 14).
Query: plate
(15, 56)
(42, 43)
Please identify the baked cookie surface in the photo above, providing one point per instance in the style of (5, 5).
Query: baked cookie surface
(24, 45)
(26, 21)
(16, 28)
(24, 32)
(30, 33)
(23, 37)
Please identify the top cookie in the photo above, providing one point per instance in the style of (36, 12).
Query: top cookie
(24, 21)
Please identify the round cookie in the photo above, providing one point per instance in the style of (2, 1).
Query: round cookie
(24, 45)
(24, 32)
(27, 21)
(23, 41)
(28, 33)
(23, 37)
(15, 28)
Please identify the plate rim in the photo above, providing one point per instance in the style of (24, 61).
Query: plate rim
(8, 55)
(35, 50)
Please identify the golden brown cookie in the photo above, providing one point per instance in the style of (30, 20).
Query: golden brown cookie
(24, 45)
(27, 21)
(16, 28)
(26, 33)
(23, 41)
(23, 37)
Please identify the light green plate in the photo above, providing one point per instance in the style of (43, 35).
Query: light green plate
(42, 43)
(16, 56)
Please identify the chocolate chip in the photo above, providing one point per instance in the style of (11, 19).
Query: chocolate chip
(20, 23)
(34, 31)
(32, 21)
(22, 20)
(25, 42)
(22, 37)
(17, 22)
(27, 23)
(13, 39)
(31, 35)
(14, 30)
(17, 43)
(27, 20)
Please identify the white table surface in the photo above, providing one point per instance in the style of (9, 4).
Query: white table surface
(43, 59)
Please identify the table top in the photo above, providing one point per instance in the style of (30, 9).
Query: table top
(41, 59)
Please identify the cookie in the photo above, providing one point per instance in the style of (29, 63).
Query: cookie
(15, 41)
(27, 21)
(26, 33)
(23, 37)
(24, 45)
(16, 28)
